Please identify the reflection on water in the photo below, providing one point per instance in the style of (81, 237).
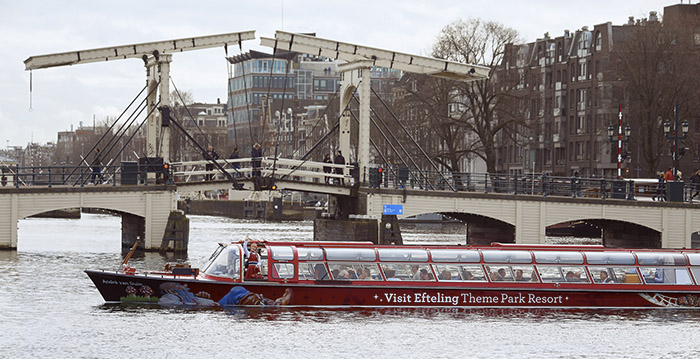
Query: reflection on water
(44, 292)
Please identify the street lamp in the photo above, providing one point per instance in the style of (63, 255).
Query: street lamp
(673, 136)
(621, 152)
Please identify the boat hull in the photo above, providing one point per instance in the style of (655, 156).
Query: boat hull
(170, 290)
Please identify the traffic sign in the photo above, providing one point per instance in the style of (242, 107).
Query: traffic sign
(393, 209)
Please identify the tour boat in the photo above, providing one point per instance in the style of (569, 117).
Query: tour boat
(359, 274)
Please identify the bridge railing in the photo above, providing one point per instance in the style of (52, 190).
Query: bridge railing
(315, 172)
(537, 184)
(282, 168)
(49, 176)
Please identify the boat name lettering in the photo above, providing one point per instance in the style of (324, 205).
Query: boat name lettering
(104, 281)
(468, 298)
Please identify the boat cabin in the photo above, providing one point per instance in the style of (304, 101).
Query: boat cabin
(370, 264)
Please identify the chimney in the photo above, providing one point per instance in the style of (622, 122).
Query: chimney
(630, 20)
(653, 17)
(218, 101)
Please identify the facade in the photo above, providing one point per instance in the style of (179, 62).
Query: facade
(569, 95)
(206, 123)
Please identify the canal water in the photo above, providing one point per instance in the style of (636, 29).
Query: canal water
(49, 308)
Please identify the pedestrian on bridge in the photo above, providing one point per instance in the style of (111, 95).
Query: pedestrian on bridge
(256, 154)
(327, 169)
(96, 168)
(210, 155)
(340, 160)
(235, 156)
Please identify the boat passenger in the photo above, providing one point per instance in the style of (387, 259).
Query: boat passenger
(366, 274)
(351, 274)
(573, 277)
(468, 275)
(415, 274)
(424, 275)
(500, 275)
(390, 274)
(445, 275)
(519, 275)
(659, 275)
(604, 277)
(533, 277)
(320, 272)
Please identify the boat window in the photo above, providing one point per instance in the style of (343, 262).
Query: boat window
(553, 257)
(313, 271)
(403, 255)
(694, 259)
(471, 273)
(354, 271)
(524, 273)
(282, 253)
(404, 271)
(499, 273)
(351, 254)
(310, 254)
(665, 275)
(454, 255)
(610, 275)
(213, 256)
(658, 259)
(227, 263)
(574, 274)
(550, 274)
(492, 256)
(283, 270)
(610, 258)
(696, 274)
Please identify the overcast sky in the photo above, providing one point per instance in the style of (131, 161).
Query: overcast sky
(65, 96)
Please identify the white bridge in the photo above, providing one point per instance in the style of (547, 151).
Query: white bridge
(144, 209)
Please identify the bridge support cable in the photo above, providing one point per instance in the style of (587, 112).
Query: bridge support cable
(318, 143)
(221, 169)
(412, 139)
(384, 158)
(92, 149)
(121, 131)
(84, 180)
(393, 171)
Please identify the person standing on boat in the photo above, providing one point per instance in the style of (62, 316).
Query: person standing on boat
(252, 263)
(339, 160)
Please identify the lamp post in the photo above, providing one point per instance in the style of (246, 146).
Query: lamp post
(620, 141)
(675, 137)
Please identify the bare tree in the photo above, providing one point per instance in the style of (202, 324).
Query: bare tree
(475, 104)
